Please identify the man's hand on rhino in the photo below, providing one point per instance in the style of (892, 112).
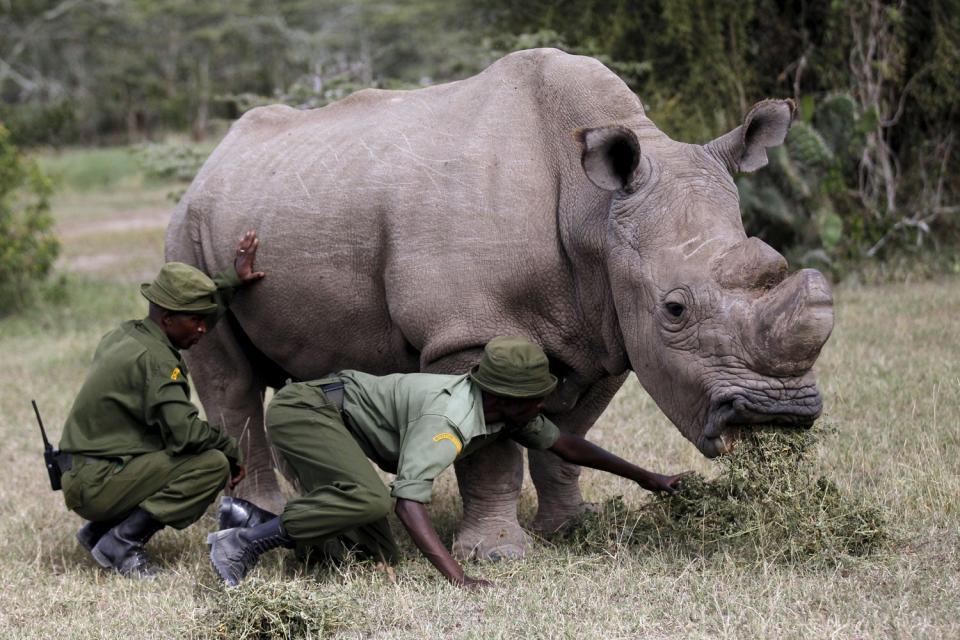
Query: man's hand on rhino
(246, 254)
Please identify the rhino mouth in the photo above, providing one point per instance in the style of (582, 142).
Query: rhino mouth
(730, 416)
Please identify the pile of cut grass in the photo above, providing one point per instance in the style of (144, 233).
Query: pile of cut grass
(268, 609)
(767, 504)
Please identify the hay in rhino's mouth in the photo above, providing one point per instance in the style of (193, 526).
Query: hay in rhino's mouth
(730, 416)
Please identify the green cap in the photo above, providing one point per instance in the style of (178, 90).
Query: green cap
(514, 367)
(180, 287)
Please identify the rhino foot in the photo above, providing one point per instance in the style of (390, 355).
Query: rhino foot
(273, 502)
(553, 519)
(491, 540)
(261, 488)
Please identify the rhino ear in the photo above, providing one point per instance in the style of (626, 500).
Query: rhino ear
(766, 125)
(610, 156)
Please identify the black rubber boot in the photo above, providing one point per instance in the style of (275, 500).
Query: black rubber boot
(236, 512)
(90, 533)
(234, 552)
(122, 548)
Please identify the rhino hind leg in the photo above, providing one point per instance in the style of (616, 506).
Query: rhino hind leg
(489, 482)
(231, 382)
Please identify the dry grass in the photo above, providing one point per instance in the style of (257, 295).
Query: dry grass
(891, 378)
(768, 504)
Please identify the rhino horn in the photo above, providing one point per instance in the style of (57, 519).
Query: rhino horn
(750, 264)
(765, 125)
(791, 324)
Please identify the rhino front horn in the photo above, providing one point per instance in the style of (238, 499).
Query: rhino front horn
(792, 323)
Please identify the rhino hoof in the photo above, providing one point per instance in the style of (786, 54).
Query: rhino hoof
(272, 501)
(550, 522)
(504, 543)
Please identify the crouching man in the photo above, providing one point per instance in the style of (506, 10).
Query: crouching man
(140, 457)
(412, 425)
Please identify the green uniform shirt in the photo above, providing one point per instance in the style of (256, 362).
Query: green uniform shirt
(136, 398)
(416, 425)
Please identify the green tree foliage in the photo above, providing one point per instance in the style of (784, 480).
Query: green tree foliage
(801, 201)
(893, 179)
(98, 70)
(94, 70)
(27, 245)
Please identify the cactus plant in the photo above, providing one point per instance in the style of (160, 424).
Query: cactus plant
(794, 203)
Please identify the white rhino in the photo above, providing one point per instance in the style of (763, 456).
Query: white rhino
(402, 230)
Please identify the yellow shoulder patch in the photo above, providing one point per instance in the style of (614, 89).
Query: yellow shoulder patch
(452, 438)
(175, 374)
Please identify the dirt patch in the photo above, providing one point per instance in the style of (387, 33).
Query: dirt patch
(124, 245)
(146, 220)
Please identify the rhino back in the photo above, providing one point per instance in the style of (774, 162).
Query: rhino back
(415, 223)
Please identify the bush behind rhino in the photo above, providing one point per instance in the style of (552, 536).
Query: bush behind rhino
(768, 504)
(28, 247)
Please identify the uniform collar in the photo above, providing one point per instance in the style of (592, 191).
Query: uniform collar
(488, 428)
(155, 332)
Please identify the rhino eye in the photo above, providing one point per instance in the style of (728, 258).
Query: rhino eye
(675, 309)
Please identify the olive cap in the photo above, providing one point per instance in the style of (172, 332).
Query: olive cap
(514, 367)
(180, 287)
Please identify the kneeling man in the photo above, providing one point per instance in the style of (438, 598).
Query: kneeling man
(140, 457)
(412, 425)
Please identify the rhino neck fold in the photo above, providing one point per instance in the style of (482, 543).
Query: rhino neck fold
(583, 236)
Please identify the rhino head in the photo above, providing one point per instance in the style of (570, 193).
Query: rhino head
(715, 329)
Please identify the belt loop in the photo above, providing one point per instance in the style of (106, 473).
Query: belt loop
(333, 390)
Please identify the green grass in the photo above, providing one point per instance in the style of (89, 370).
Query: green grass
(98, 169)
(891, 380)
(94, 169)
(114, 229)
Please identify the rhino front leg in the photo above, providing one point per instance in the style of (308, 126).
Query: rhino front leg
(489, 482)
(232, 395)
(558, 483)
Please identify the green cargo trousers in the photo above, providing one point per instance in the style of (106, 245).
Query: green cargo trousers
(342, 495)
(176, 490)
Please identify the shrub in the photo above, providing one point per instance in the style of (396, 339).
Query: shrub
(37, 124)
(170, 162)
(28, 247)
(801, 204)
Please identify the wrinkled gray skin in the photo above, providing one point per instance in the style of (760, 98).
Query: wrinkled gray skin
(400, 231)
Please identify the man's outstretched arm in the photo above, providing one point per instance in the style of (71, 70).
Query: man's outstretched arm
(415, 518)
(581, 451)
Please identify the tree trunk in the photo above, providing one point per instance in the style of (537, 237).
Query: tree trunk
(201, 120)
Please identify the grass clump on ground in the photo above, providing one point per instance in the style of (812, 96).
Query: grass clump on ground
(768, 503)
(260, 609)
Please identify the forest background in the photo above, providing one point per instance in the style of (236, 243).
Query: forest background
(868, 177)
